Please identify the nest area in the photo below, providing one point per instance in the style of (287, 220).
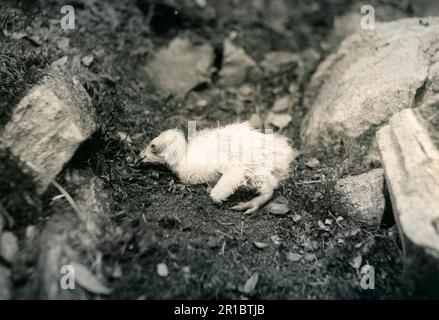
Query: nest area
(152, 219)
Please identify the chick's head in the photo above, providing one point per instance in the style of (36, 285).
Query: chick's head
(167, 148)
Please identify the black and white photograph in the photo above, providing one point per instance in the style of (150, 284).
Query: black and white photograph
(237, 151)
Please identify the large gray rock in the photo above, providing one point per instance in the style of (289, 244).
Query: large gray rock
(49, 124)
(411, 163)
(181, 66)
(373, 75)
(350, 22)
(365, 194)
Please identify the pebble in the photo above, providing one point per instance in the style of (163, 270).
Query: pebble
(162, 270)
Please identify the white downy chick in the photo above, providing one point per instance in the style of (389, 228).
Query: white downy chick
(231, 156)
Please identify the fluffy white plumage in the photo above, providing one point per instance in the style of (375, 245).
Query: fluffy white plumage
(231, 156)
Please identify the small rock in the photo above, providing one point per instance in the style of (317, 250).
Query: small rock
(87, 60)
(162, 270)
(278, 120)
(246, 89)
(260, 245)
(313, 163)
(202, 103)
(365, 193)
(9, 246)
(294, 257)
(281, 104)
(297, 218)
(279, 206)
(236, 65)
(328, 222)
(186, 269)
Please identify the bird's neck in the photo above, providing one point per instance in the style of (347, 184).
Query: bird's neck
(177, 157)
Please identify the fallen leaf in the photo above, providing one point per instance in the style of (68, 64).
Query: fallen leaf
(255, 121)
(162, 270)
(260, 245)
(124, 137)
(277, 208)
(251, 283)
(278, 120)
(86, 279)
(356, 262)
(322, 226)
(8, 246)
(294, 257)
(281, 104)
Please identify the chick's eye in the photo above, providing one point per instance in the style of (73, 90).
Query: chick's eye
(153, 147)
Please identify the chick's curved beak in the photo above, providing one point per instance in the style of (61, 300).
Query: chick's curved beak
(139, 161)
(142, 158)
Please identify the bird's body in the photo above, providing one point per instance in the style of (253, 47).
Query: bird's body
(231, 156)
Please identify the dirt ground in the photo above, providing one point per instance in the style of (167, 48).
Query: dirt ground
(209, 249)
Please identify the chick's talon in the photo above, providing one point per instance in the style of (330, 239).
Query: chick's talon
(252, 210)
(251, 207)
(240, 206)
